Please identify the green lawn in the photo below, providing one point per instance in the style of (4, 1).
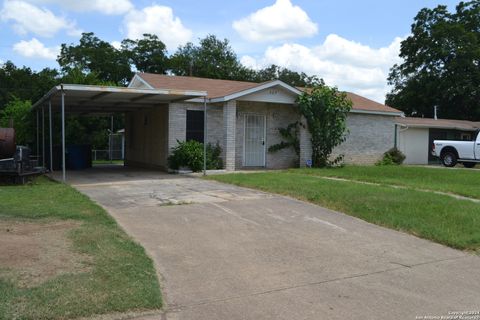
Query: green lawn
(121, 276)
(465, 182)
(440, 218)
(94, 162)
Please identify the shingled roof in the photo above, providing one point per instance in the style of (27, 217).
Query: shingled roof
(217, 88)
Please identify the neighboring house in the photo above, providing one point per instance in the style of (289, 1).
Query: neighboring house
(244, 118)
(416, 135)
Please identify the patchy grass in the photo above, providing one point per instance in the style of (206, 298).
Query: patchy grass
(443, 219)
(465, 182)
(118, 162)
(119, 275)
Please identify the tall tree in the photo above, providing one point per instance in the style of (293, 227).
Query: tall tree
(24, 83)
(441, 64)
(212, 58)
(293, 78)
(146, 55)
(98, 56)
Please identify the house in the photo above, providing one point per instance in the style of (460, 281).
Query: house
(416, 136)
(244, 118)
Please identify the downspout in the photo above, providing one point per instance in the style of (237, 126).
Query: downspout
(204, 136)
(402, 129)
(395, 137)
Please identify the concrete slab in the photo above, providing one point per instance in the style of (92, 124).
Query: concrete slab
(235, 253)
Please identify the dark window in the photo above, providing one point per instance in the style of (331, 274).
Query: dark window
(195, 125)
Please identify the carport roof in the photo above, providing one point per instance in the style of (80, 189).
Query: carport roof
(438, 123)
(86, 99)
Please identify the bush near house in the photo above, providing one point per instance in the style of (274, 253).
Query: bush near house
(391, 157)
(189, 154)
(325, 110)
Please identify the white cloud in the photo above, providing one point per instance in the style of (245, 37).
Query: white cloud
(281, 21)
(35, 49)
(116, 44)
(347, 64)
(157, 20)
(110, 7)
(28, 18)
(336, 48)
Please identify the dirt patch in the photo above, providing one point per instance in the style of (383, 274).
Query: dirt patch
(32, 252)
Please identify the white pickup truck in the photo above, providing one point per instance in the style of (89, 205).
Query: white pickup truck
(453, 152)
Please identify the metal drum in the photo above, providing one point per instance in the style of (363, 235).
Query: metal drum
(7, 143)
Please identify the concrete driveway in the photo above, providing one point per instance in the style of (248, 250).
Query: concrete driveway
(224, 252)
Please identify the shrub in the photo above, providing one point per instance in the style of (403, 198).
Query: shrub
(325, 110)
(190, 154)
(214, 156)
(391, 157)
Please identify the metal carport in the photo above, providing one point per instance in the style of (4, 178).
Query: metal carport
(100, 100)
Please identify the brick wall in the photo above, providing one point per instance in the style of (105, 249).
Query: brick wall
(305, 144)
(229, 137)
(368, 138)
(177, 125)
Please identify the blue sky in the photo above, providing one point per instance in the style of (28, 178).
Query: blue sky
(351, 44)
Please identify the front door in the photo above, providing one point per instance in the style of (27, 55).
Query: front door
(254, 153)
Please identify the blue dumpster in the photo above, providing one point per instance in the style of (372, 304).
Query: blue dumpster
(78, 157)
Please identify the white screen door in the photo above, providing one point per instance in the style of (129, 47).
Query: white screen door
(254, 140)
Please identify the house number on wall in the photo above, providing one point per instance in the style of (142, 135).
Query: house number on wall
(273, 91)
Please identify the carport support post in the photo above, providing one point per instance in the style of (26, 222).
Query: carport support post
(64, 178)
(38, 136)
(50, 133)
(43, 136)
(110, 136)
(205, 136)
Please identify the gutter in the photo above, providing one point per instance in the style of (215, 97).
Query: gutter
(382, 113)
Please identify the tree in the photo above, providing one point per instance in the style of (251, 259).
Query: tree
(97, 56)
(77, 76)
(212, 58)
(325, 110)
(293, 78)
(441, 64)
(146, 55)
(24, 83)
(20, 112)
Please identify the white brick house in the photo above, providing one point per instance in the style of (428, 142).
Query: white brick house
(243, 118)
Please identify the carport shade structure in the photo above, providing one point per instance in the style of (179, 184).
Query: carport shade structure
(102, 100)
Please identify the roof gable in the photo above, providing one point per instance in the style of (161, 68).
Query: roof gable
(273, 91)
(272, 94)
(138, 83)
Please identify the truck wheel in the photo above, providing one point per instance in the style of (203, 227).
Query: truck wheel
(449, 159)
(469, 164)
